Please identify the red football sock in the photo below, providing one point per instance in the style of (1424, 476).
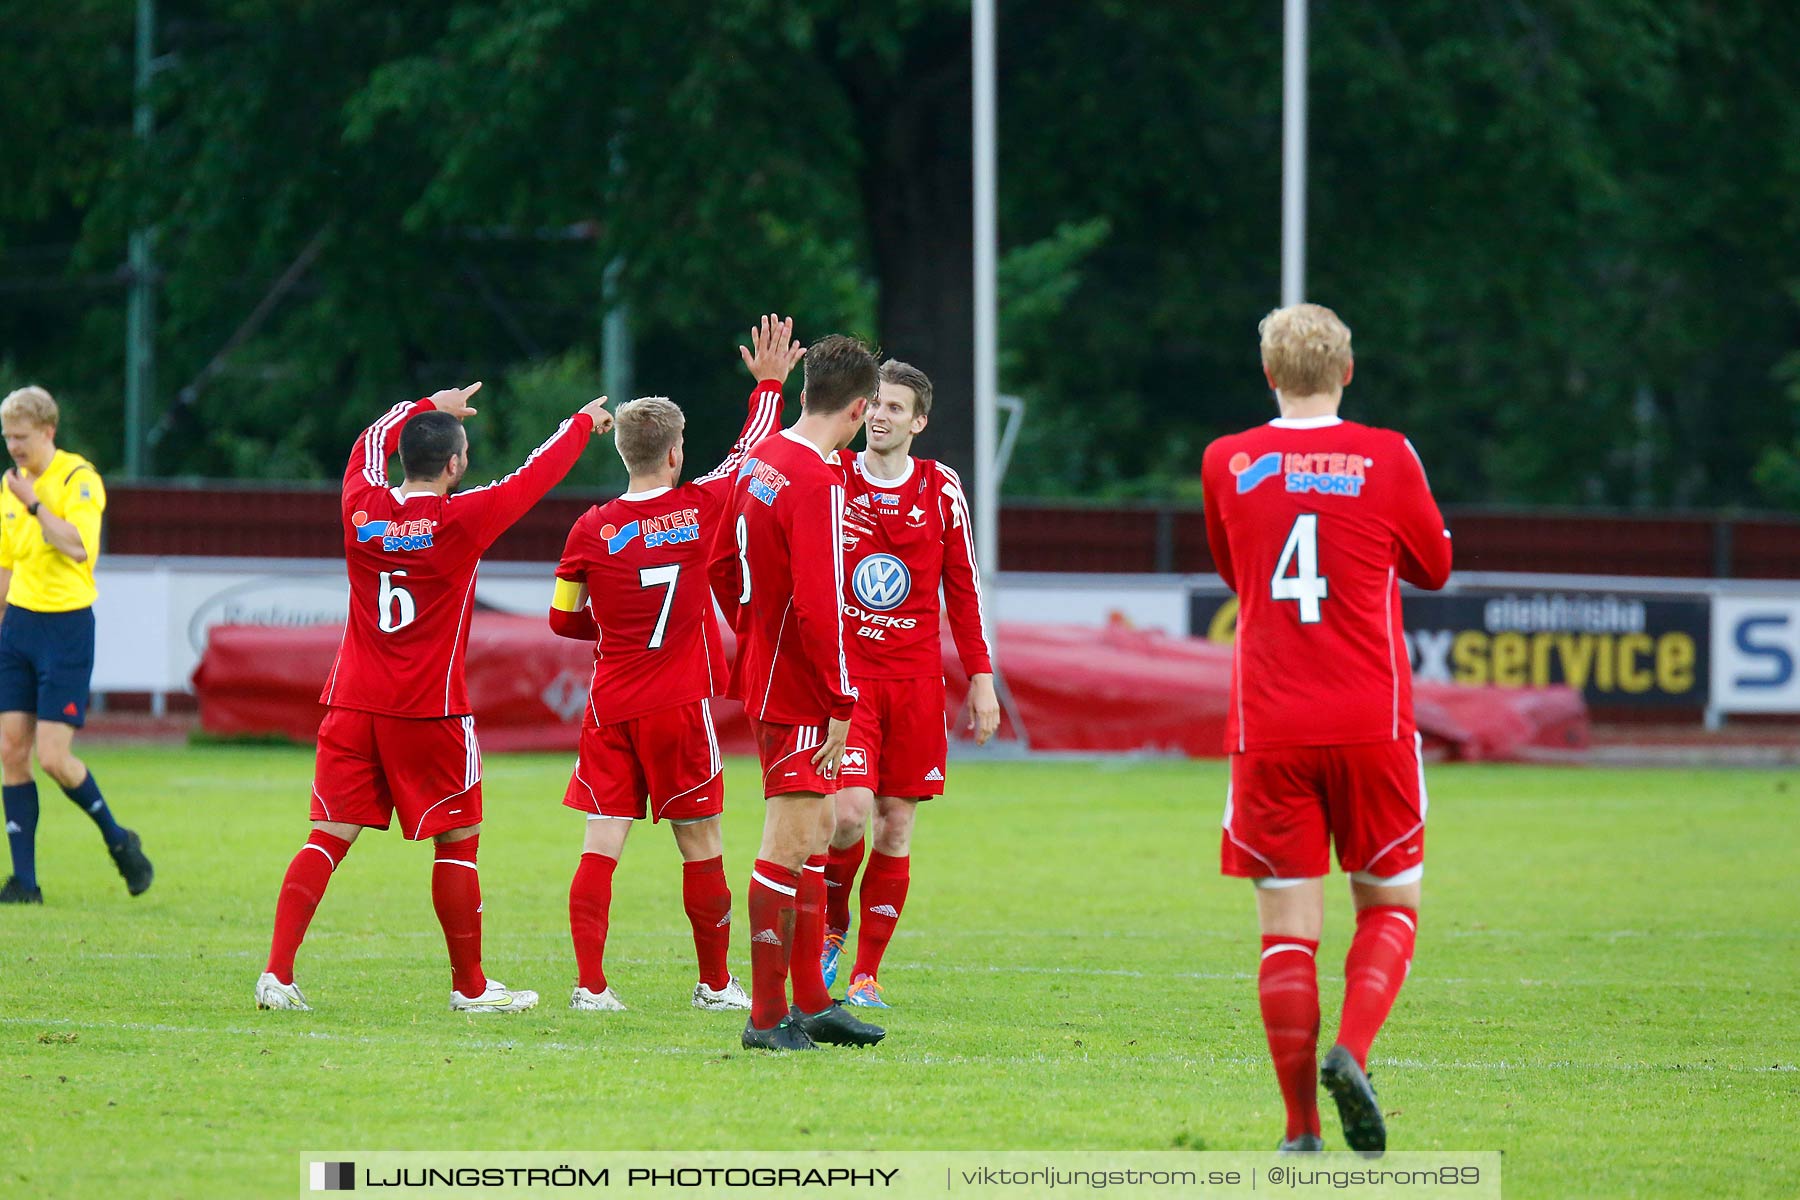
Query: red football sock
(456, 894)
(883, 897)
(840, 873)
(1288, 986)
(590, 904)
(1374, 969)
(301, 889)
(809, 939)
(707, 898)
(772, 892)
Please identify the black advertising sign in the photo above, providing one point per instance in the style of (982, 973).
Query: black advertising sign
(1619, 649)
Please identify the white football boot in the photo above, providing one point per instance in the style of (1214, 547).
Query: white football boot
(730, 998)
(272, 993)
(497, 998)
(605, 1000)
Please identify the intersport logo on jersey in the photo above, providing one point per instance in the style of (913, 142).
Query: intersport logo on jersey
(670, 529)
(1325, 474)
(766, 482)
(394, 535)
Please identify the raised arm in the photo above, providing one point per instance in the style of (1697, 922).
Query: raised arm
(492, 508)
(769, 358)
(1425, 547)
(376, 444)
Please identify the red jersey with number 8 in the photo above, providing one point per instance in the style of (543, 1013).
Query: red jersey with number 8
(1313, 523)
(412, 559)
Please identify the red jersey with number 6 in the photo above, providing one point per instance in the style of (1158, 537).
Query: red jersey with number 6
(644, 559)
(1313, 522)
(412, 559)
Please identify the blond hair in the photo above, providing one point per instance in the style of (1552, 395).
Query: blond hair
(33, 404)
(910, 377)
(1305, 349)
(645, 430)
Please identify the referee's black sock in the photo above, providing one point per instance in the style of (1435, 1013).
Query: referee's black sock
(21, 802)
(87, 795)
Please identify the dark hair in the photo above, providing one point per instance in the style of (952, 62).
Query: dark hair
(427, 444)
(908, 376)
(838, 370)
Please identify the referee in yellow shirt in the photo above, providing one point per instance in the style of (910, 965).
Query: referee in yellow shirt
(49, 538)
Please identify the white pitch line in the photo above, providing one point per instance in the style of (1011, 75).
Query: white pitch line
(1233, 1060)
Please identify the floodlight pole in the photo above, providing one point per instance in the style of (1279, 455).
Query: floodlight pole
(987, 372)
(140, 311)
(1293, 155)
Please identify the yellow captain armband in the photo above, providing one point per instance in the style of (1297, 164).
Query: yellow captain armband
(570, 596)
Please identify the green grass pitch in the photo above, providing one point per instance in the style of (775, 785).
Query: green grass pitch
(1606, 986)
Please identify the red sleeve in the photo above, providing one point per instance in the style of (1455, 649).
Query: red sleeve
(815, 546)
(492, 508)
(1425, 548)
(962, 577)
(573, 567)
(1212, 489)
(578, 626)
(764, 419)
(376, 444)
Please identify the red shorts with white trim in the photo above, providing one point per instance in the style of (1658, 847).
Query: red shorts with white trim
(899, 742)
(787, 758)
(1286, 808)
(664, 765)
(371, 766)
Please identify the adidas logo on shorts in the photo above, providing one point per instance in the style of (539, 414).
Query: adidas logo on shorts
(768, 937)
(934, 776)
(723, 921)
(886, 910)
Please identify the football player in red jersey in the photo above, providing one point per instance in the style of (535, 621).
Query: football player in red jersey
(1314, 521)
(633, 581)
(398, 737)
(787, 508)
(907, 531)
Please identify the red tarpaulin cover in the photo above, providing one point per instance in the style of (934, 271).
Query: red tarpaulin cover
(1073, 687)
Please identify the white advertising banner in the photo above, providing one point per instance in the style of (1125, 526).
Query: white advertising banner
(1756, 653)
(154, 613)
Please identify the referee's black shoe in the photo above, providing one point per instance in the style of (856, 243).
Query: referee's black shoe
(1364, 1129)
(128, 856)
(17, 893)
(835, 1026)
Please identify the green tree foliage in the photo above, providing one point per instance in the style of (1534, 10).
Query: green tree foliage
(1563, 230)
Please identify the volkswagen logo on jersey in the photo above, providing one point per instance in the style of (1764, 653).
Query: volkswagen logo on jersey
(882, 582)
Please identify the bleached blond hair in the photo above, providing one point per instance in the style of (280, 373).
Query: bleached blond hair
(1305, 348)
(645, 430)
(31, 403)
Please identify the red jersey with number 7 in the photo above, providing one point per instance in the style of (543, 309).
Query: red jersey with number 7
(644, 559)
(412, 559)
(1313, 523)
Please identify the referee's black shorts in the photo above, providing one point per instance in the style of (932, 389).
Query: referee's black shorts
(46, 663)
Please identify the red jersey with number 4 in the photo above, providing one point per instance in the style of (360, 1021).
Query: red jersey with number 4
(412, 561)
(902, 539)
(1313, 523)
(787, 508)
(644, 558)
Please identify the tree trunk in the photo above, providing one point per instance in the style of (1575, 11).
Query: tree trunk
(917, 183)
